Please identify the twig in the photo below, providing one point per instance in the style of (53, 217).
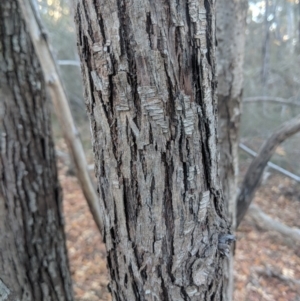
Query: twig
(267, 223)
(270, 272)
(276, 100)
(270, 164)
(68, 63)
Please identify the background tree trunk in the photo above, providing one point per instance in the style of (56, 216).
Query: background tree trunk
(231, 23)
(266, 48)
(61, 105)
(150, 89)
(33, 260)
(254, 173)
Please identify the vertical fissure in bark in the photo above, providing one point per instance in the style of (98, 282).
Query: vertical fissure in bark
(164, 293)
(210, 40)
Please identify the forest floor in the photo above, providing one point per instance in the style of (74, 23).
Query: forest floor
(267, 266)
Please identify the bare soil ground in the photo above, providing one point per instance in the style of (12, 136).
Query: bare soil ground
(267, 265)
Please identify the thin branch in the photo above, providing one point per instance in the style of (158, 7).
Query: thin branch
(270, 164)
(68, 63)
(265, 222)
(277, 100)
(61, 105)
(271, 272)
(254, 173)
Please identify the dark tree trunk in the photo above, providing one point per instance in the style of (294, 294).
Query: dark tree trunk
(150, 89)
(33, 258)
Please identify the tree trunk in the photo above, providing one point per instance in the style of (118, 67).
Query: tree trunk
(33, 260)
(61, 105)
(231, 22)
(150, 89)
(266, 48)
(299, 25)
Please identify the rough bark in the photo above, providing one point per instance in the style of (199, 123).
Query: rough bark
(253, 176)
(231, 22)
(150, 90)
(61, 105)
(33, 257)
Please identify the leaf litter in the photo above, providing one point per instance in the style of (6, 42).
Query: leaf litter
(266, 266)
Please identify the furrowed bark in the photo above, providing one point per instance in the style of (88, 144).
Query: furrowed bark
(231, 23)
(61, 105)
(33, 257)
(253, 176)
(150, 90)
